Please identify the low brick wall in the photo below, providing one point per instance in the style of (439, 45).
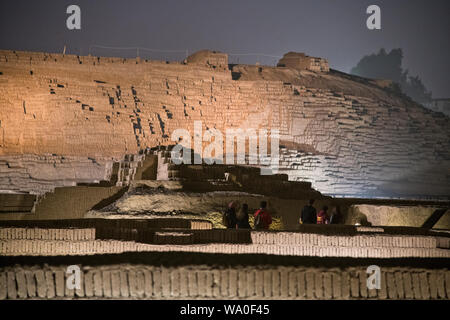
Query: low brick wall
(228, 236)
(105, 238)
(155, 223)
(62, 247)
(173, 238)
(202, 282)
(198, 236)
(378, 241)
(46, 234)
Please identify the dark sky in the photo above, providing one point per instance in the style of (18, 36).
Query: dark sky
(332, 29)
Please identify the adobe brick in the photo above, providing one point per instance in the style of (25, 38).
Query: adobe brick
(292, 283)
(157, 282)
(424, 286)
(175, 282)
(242, 283)
(354, 284)
(407, 285)
(3, 285)
(233, 279)
(60, 283)
(275, 283)
(440, 282)
(40, 283)
(89, 283)
(399, 284)
(284, 283)
(267, 283)
(310, 284)
(345, 283)
(416, 285)
(447, 283)
(98, 283)
(193, 284)
(21, 284)
(124, 285)
(31, 283)
(50, 283)
(251, 282)
(148, 283)
(209, 284)
(115, 283)
(432, 277)
(391, 287)
(336, 284)
(106, 283)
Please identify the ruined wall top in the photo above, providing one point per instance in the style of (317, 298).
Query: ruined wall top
(300, 61)
(213, 59)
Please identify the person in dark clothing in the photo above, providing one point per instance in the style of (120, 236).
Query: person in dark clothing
(263, 219)
(242, 217)
(335, 217)
(309, 214)
(229, 217)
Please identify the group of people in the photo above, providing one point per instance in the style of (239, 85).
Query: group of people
(237, 217)
(309, 215)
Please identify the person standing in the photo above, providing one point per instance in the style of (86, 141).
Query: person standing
(322, 217)
(263, 219)
(309, 213)
(229, 217)
(335, 217)
(242, 218)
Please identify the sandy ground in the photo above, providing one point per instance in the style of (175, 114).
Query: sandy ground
(164, 200)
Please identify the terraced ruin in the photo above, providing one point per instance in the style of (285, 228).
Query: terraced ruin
(87, 179)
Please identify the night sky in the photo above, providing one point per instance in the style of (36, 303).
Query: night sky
(332, 29)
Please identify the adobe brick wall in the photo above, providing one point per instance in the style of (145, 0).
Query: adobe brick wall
(206, 282)
(301, 61)
(209, 58)
(344, 136)
(143, 224)
(46, 234)
(39, 242)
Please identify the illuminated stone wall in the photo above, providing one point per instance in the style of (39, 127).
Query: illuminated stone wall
(345, 135)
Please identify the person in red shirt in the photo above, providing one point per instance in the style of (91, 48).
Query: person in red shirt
(263, 219)
(322, 217)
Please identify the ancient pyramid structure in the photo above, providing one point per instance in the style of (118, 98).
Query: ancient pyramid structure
(65, 119)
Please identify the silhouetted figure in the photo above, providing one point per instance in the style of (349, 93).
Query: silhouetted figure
(229, 217)
(242, 218)
(335, 217)
(263, 219)
(322, 217)
(309, 213)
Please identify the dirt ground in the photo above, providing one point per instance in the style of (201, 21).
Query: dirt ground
(149, 199)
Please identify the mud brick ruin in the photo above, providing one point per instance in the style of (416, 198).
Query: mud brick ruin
(65, 119)
(300, 61)
(86, 179)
